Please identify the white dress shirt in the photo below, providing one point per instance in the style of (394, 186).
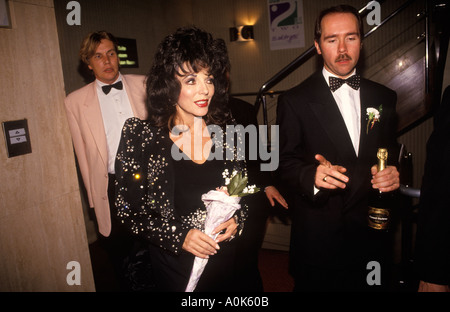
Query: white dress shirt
(116, 108)
(349, 105)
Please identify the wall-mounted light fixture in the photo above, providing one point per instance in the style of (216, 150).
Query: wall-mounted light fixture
(241, 33)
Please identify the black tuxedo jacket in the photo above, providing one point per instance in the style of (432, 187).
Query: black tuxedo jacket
(433, 225)
(329, 228)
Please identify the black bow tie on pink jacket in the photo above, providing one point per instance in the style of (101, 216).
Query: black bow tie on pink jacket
(118, 85)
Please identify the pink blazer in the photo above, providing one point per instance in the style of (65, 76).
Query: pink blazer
(89, 139)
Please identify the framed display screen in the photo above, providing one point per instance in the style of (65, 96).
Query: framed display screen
(5, 18)
(127, 51)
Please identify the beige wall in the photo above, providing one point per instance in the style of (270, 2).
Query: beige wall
(41, 220)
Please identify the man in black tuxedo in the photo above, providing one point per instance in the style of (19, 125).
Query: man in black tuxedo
(250, 242)
(433, 224)
(328, 148)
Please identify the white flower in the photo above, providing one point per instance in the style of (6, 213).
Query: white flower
(252, 189)
(225, 174)
(373, 115)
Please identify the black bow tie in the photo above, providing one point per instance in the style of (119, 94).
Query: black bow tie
(353, 81)
(118, 85)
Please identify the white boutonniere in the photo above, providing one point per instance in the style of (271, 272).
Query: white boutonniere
(373, 115)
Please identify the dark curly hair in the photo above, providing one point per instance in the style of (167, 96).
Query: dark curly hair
(198, 50)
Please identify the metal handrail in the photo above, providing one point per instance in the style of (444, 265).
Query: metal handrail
(305, 56)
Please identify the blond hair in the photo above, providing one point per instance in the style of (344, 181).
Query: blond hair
(91, 42)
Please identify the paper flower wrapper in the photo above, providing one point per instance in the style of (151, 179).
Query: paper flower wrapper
(219, 208)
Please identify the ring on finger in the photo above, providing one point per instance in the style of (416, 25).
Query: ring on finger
(325, 178)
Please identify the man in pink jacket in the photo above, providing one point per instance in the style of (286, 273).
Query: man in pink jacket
(96, 114)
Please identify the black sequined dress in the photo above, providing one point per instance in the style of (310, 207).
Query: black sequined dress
(192, 180)
(159, 199)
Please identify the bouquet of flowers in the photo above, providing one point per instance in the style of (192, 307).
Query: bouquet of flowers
(221, 204)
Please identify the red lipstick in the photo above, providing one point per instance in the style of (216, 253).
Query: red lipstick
(201, 103)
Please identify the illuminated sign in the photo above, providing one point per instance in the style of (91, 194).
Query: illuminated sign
(127, 51)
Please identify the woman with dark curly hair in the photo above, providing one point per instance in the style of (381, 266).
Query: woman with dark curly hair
(188, 50)
(163, 171)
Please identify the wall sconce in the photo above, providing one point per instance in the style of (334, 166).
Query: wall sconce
(241, 33)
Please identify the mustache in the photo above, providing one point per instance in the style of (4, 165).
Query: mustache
(343, 57)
